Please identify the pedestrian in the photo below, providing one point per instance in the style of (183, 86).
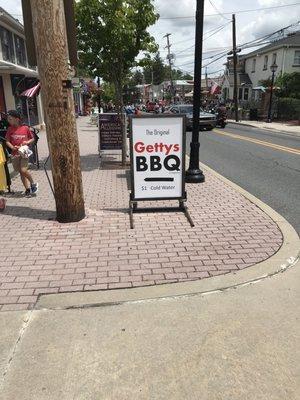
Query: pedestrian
(18, 138)
(2, 204)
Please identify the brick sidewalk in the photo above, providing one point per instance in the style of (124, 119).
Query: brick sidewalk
(39, 255)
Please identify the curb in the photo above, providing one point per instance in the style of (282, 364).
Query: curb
(286, 257)
(264, 128)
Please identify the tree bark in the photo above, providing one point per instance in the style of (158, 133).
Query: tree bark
(49, 27)
(120, 110)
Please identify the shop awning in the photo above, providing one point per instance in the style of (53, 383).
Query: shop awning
(32, 91)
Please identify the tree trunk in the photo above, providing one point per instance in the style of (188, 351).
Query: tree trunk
(120, 111)
(52, 57)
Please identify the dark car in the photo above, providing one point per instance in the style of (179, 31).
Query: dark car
(208, 121)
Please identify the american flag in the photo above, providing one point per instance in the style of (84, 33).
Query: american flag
(32, 91)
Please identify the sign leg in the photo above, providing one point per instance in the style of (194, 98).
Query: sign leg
(131, 208)
(184, 208)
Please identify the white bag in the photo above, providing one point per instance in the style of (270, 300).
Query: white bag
(25, 152)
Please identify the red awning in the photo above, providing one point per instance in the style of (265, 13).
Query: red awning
(32, 91)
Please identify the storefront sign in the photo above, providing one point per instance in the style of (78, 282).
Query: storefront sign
(110, 132)
(157, 157)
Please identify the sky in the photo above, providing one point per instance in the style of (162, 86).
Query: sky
(250, 25)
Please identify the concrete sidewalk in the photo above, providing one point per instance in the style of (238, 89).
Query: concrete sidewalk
(238, 344)
(101, 252)
(286, 127)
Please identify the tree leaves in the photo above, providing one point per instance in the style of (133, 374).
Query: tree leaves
(111, 34)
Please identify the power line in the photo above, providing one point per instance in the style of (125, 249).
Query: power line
(217, 29)
(235, 12)
(254, 43)
(221, 15)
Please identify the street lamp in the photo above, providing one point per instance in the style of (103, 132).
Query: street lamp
(194, 173)
(273, 69)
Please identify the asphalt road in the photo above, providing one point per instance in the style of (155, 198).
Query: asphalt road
(266, 164)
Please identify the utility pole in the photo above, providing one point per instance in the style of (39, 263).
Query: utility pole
(49, 31)
(206, 78)
(169, 57)
(194, 173)
(234, 53)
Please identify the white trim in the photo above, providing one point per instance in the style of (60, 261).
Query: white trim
(17, 69)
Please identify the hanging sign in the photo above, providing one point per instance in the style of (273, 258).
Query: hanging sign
(110, 132)
(157, 157)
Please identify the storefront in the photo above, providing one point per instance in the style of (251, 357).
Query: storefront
(25, 105)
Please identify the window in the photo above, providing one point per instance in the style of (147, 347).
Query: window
(20, 51)
(253, 64)
(240, 93)
(297, 57)
(7, 45)
(246, 93)
(266, 60)
(274, 58)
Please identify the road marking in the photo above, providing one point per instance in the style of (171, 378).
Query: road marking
(261, 142)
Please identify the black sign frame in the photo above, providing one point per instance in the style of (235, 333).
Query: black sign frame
(183, 196)
(99, 132)
(133, 206)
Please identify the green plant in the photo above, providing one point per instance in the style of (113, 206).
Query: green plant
(289, 85)
(111, 34)
(288, 108)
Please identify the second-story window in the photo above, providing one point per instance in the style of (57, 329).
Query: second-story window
(266, 60)
(297, 57)
(274, 58)
(253, 64)
(7, 45)
(20, 51)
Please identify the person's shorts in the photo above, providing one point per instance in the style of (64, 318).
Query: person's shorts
(19, 162)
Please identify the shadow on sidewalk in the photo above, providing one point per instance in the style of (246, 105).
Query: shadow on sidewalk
(30, 213)
(89, 162)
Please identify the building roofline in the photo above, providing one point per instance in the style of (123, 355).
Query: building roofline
(277, 44)
(9, 19)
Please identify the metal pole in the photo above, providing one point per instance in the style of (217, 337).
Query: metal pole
(271, 98)
(28, 112)
(99, 96)
(235, 87)
(194, 173)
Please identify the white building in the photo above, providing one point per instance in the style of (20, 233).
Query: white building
(255, 66)
(15, 74)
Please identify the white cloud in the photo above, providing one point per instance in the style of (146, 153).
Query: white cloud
(249, 25)
(14, 7)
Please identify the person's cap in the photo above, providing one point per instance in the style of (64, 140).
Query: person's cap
(14, 114)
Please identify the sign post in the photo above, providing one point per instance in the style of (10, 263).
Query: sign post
(157, 150)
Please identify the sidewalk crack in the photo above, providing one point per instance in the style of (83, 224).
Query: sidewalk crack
(25, 324)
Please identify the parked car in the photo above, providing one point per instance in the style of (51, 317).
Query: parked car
(208, 121)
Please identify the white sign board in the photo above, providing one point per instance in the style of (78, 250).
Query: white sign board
(157, 157)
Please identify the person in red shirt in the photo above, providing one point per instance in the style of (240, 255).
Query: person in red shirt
(20, 135)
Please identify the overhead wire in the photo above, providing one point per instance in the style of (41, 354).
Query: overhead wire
(216, 9)
(235, 12)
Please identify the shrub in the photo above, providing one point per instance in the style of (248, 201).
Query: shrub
(288, 108)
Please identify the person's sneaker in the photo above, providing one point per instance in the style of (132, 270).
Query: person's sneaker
(27, 193)
(34, 188)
